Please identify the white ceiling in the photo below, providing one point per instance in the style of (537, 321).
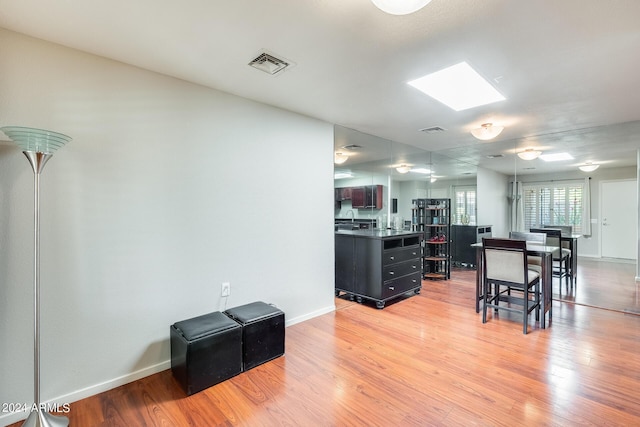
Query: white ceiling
(568, 68)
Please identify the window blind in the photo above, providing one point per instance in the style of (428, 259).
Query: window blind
(553, 203)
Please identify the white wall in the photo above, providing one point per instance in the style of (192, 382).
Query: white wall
(167, 190)
(493, 205)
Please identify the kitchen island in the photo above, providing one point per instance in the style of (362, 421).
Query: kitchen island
(377, 265)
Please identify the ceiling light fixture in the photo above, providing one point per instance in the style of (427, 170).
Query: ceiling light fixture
(403, 169)
(400, 7)
(588, 167)
(340, 158)
(459, 87)
(487, 131)
(529, 154)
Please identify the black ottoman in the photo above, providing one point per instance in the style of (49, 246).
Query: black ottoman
(205, 350)
(262, 332)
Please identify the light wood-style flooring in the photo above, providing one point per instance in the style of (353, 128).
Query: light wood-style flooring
(426, 360)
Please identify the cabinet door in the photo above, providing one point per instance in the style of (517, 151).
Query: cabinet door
(373, 196)
(358, 197)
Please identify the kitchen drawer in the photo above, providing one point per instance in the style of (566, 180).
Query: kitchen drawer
(399, 255)
(401, 285)
(394, 271)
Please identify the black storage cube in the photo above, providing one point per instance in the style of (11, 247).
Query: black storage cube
(262, 332)
(205, 350)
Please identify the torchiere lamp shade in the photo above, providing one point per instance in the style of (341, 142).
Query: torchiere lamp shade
(36, 140)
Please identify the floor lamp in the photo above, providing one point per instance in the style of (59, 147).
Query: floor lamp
(38, 145)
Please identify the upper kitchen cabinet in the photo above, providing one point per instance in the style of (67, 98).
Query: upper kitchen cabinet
(369, 196)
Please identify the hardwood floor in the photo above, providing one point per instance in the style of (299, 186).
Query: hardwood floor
(604, 284)
(423, 360)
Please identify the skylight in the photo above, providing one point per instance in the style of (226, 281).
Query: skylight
(459, 87)
(556, 157)
(421, 170)
(342, 175)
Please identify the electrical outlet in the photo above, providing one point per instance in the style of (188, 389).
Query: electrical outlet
(226, 289)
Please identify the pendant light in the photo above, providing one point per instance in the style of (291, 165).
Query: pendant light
(400, 7)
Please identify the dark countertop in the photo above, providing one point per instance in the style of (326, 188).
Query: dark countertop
(378, 234)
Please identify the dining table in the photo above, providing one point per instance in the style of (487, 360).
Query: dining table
(545, 252)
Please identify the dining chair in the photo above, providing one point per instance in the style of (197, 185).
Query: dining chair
(535, 262)
(506, 269)
(560, 256)
(565, 229)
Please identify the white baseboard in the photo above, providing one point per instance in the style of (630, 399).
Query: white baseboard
(13, 417)
(320, 312)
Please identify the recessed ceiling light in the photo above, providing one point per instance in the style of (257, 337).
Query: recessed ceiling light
(458, 87)
(556, 157)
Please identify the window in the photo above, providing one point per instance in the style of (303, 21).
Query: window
(465, 204)
(553, 203)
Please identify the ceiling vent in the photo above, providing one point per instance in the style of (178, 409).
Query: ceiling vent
(494, 156)
(269, 63)
(433, 129)
(352, 147)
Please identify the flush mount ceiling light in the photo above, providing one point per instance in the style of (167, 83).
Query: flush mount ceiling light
(459, 87)
(487, 131)
(340, 158)
(529, 154)
(403, 168)
(588, 167)
(400, 7)
(556, 157)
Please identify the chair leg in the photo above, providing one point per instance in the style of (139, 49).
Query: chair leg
(525, 310)
(484, 305)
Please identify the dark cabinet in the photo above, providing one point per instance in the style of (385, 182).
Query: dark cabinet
(367, 196)
(463, 236)
(378, 266)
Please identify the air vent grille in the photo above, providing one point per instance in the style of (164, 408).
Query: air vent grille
(269, 63)
(495, 156)
(433, 129)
